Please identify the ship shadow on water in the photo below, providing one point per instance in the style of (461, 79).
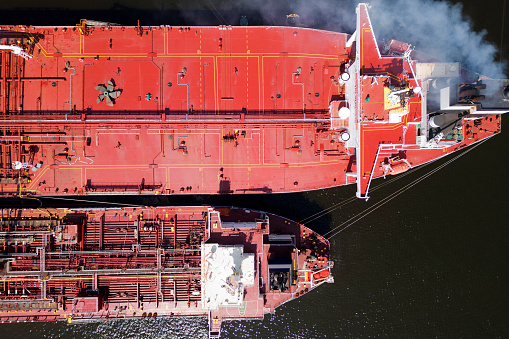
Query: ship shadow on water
(294, 206)
(123, 15)
(167, 328)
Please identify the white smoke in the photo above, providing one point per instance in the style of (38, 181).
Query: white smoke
(437, 28)
(332, 15)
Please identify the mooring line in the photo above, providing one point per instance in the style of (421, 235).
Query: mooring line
(393, 195)
(351, 199)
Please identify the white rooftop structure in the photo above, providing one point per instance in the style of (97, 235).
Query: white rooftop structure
(225, 272)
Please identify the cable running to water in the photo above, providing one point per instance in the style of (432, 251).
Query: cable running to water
(382, 202)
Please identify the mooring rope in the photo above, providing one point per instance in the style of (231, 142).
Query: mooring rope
(351, 199)
(393, 195)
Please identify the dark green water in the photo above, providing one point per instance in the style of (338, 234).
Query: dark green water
(432, 262)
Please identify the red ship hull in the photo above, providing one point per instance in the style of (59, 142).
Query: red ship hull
(97, 264)
(220, 110)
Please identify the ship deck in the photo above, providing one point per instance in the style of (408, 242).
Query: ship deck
(142, 259)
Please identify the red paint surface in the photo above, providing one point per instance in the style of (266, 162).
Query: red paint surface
(202, 110)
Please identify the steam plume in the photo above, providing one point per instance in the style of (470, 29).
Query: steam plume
(437, 28)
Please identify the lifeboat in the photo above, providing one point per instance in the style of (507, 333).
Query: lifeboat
(321, 275)
(395, 166)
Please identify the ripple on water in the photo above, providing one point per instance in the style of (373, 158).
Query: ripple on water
(162, 328)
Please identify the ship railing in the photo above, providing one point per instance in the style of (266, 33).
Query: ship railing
(101, 114)
(28, 318)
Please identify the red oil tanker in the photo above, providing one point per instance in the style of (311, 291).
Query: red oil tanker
(99, 264)
(93, 109)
